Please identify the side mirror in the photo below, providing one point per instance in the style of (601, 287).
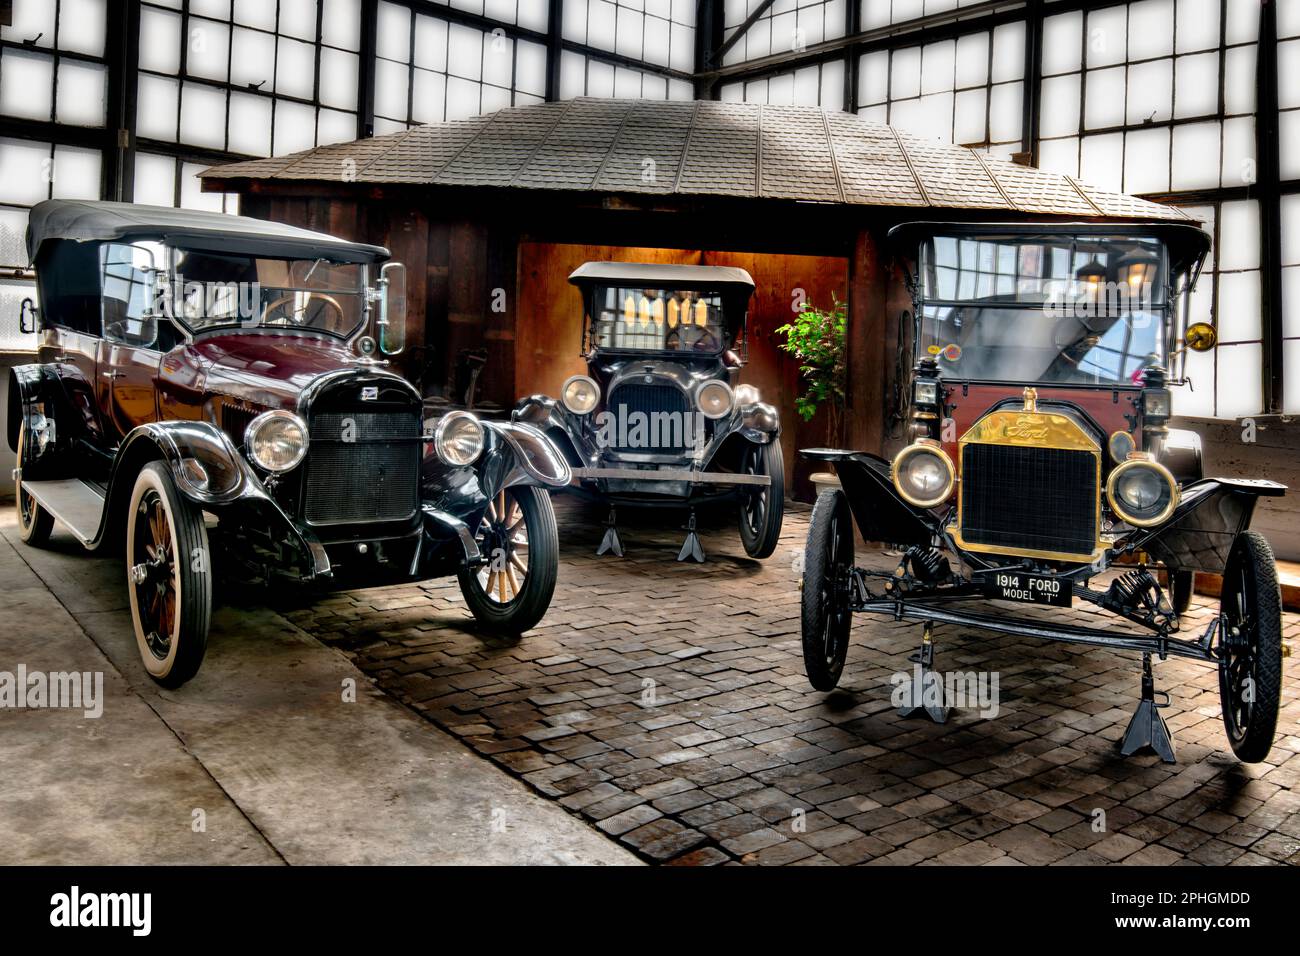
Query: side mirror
(392, 308)
(1201, 337)
(27, 317)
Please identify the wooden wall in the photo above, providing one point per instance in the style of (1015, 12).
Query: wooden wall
(548, 333)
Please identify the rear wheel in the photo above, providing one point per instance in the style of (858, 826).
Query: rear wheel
(762, 508)
(168, 577)
(826, 617)
(517, 537)
(1250, 665)
(34, 522)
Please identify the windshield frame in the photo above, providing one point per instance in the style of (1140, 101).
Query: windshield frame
(175, 311)
(1164, 303)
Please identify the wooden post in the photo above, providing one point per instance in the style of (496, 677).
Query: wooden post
(865, 410)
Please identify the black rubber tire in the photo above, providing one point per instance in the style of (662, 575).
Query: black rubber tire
(34, 522)
(826, 620)
(1251, 594)
(526, 608)
(1182, 585)
(190, 576)
(761, 533)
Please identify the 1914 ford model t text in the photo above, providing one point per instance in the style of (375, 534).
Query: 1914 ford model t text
(1040, 456)
(203, 371)
(661, 419)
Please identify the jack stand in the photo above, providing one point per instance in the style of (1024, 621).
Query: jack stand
(691, 549)
(611, 542)
(927, 686)
(1147, 728)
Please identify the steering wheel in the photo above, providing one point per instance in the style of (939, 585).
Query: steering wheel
(704, 341)
(296, 315)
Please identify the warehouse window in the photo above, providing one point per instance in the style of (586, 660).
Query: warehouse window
(819, 85)
(659, 32)
(247, 76)
(968, 90)
(428, 70)
(787, 27)
(587, 76)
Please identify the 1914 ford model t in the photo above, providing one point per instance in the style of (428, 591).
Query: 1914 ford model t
(203, 371)
(661, 419)
(1040, 456)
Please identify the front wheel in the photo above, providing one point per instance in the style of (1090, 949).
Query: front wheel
(1250, 665)
(826, 617)
(520, 545)
(34, 522)
(762, 508)
(169, 579)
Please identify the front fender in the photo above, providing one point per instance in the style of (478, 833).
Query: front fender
(759, 422)
(878, 511)
(1200, 533)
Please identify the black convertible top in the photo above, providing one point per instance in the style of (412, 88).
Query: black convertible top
(669, 276)
(90, 221)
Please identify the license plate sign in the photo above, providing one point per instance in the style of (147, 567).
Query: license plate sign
(1028, 588)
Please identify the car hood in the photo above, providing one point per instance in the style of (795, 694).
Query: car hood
(264, 369)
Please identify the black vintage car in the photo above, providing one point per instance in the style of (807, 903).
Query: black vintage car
(661, 419)
(1040, 456)
(211, 392)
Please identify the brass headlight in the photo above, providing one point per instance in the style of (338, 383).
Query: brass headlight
(1142, 492)
(923, 474)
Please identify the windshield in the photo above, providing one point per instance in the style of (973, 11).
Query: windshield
(1058, 309)
(658, 320)
(222, 289)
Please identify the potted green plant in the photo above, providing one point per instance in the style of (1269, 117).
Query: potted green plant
(817, 339)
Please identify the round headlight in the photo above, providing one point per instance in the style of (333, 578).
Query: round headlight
(746, 395)
(1121, 445)
(923, 474)
(714, 399)
(458, 439)
(1142, 492)
(276, 441)
(580, 394)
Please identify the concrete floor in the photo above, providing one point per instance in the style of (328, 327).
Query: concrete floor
(257, 760)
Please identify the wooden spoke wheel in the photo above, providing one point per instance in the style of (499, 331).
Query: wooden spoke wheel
(168, 577)
(517, 539)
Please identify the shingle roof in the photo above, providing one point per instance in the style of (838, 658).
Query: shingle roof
(702, 148)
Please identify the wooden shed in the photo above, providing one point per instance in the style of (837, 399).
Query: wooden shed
(491, 214)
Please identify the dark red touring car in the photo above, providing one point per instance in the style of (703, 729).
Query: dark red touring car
(214, 380)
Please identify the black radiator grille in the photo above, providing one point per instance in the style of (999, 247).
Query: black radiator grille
(363, 466)
(661, 435)
(1039, 499)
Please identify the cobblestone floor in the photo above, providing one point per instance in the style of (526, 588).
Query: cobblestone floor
(666, 703)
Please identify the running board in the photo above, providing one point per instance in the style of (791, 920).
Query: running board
(77, 506)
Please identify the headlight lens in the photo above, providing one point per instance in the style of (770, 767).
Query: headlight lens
(746, 395)
(580, 394)
(1142, 492)
(1121, 445)
(1157, 403)
(925, 392)
(714, 399)
(276, 441)
(923, 474)
(458, 439)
